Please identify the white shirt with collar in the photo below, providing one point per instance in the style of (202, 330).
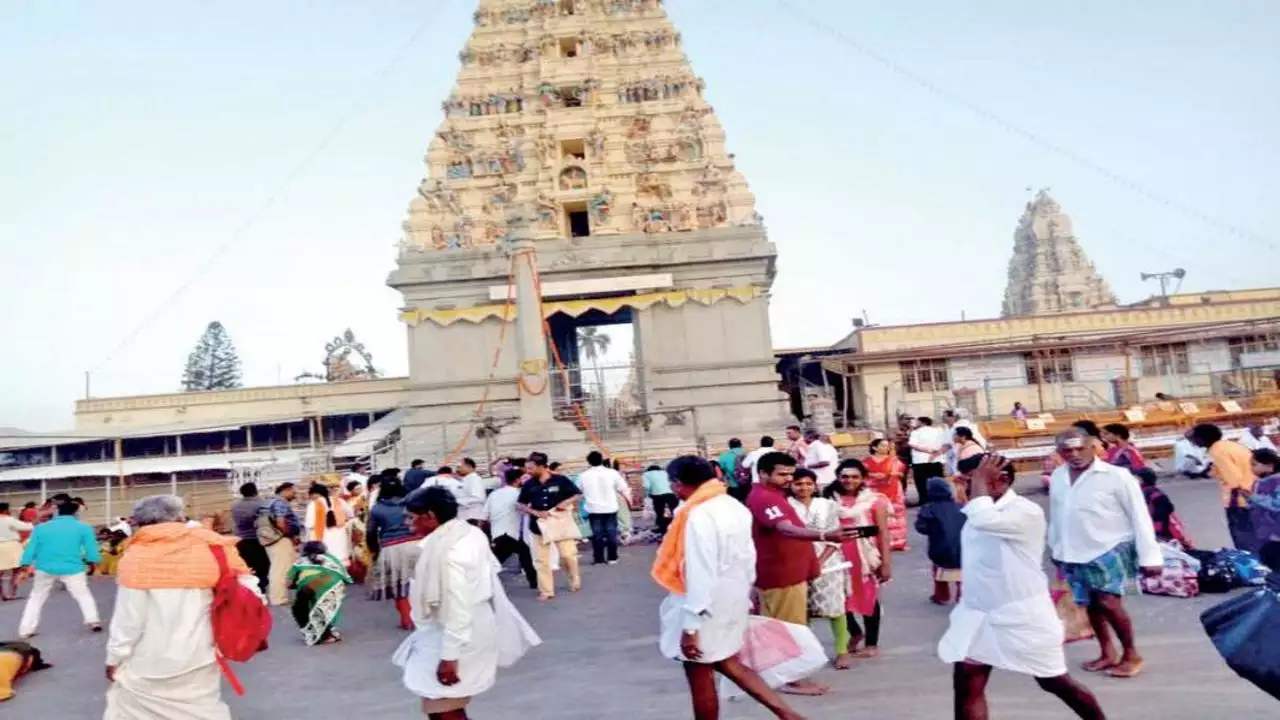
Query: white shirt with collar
(822, 452)
(753, 457)
(500, 509)
(600, 489)
(930, 437)
(1103, 508)
(471, 497)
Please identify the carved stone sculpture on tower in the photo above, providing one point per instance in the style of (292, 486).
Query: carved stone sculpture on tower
(1049, 272)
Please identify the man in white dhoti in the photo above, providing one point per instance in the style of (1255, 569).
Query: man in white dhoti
(160, 651)
(1006, 618)
(707, 561)
(466, 627)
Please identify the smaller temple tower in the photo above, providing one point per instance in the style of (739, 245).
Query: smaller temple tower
(1049, 273)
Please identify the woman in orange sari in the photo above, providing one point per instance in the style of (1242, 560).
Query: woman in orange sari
(885, 473)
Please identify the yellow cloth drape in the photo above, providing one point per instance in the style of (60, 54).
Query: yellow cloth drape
(575, 308)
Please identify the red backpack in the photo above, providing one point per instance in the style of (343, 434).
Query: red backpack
(241, 621)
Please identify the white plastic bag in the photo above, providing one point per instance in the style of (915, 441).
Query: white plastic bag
(780, 652)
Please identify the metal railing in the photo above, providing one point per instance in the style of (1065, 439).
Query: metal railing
(611, 397)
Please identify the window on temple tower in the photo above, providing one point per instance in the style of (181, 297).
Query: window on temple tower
(577, 219)
(569, 47)
(568, 7)
(571, 150)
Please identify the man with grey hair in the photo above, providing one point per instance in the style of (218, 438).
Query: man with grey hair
(160, 652)
(1100, 533)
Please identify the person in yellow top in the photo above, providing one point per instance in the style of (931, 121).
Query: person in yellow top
(17, 659)
(1233, 467)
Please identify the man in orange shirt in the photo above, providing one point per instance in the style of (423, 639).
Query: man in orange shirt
(1233, 467)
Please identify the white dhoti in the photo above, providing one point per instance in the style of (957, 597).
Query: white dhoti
(337, 540)
(419, 655)
(10, 554)
(196, 695)
(720, 635)
(473, 623)
(1024, 636)
(1006, 618)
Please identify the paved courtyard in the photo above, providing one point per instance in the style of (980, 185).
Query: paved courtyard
(599, 658)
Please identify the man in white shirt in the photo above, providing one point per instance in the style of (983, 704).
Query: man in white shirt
(929, 445)
(1006, 618)
(504, 525)
(161, 659)
(1100, 532)
(821, 458)
(1190, 459)
(959, 418)
(708, 565)
(471, 492)
(1255, 438)
(444, 478)
(602, 488)
(751, 458)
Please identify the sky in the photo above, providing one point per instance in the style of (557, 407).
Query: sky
(166, 164)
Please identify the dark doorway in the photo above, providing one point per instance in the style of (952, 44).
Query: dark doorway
(579, 223)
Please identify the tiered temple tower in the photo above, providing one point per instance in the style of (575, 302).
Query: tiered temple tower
(577, 135)
(1049, 272)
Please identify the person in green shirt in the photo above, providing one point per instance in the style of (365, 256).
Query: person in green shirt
(728, 462)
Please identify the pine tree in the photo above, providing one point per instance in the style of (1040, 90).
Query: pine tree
(213, 364)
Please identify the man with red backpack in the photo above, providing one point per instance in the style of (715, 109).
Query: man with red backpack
(186, 603)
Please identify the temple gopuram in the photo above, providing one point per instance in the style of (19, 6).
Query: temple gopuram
(578, 135)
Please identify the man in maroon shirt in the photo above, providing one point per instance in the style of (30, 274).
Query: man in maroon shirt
(785, 560)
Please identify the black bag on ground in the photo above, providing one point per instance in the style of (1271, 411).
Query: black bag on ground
(1217, 574)
(1246, 632)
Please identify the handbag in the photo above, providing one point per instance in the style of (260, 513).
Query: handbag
(268, 533)
(558, 526)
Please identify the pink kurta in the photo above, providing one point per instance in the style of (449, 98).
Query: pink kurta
(863, 553)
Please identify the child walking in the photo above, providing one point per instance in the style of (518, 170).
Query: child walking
(941, 521)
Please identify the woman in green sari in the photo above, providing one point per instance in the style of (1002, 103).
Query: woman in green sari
(320, 585)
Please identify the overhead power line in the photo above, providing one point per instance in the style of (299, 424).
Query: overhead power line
(358, 106)
(1000, 121)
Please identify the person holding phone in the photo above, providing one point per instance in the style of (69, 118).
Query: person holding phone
(866, 512)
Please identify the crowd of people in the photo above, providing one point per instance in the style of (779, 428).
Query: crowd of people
(791, 533)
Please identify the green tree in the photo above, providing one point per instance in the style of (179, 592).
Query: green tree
(213, 364)
(595, 344)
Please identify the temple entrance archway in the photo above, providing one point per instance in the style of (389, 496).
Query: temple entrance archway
(603, 378)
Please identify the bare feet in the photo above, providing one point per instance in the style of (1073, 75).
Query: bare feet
(1105, 662)
(843, 661)
(805, 687)
(1127, 668)
(867, 653)
(545, 598)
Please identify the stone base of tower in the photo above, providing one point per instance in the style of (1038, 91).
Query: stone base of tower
(699, 315)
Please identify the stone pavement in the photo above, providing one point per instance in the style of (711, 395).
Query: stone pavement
(599, 658)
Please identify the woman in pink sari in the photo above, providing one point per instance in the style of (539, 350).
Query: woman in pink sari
(870, 556)
(885, 473)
